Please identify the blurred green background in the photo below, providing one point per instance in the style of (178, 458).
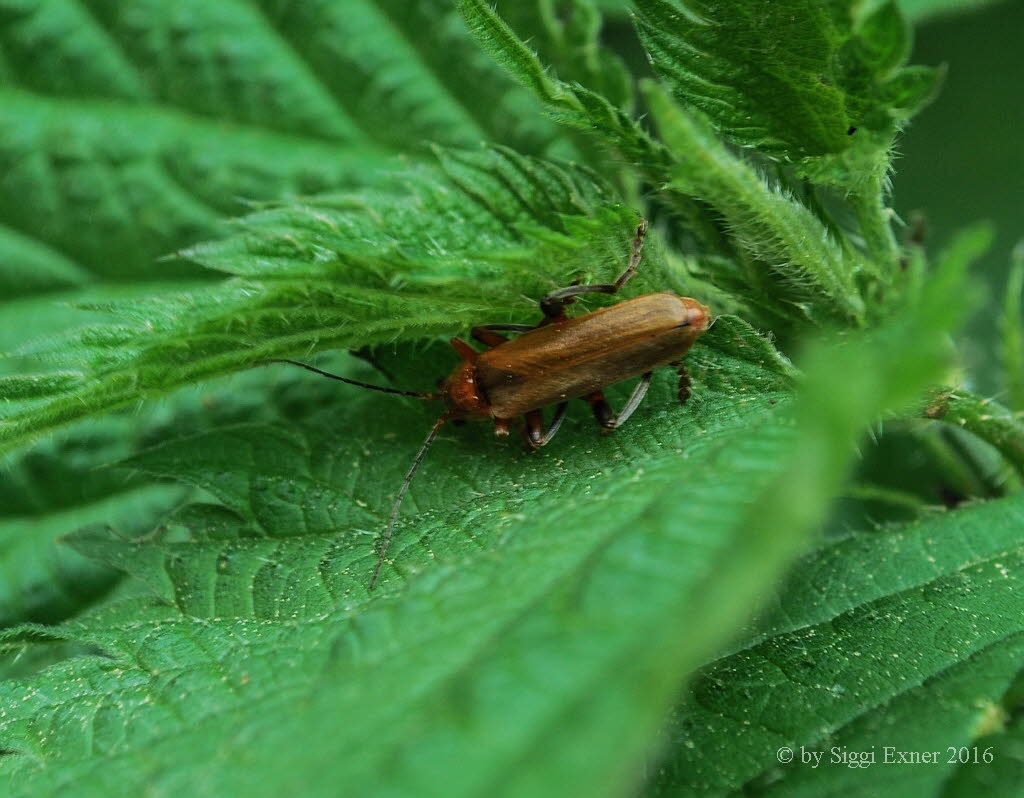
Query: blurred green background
(961, 159)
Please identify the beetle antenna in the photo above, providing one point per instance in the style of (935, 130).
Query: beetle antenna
(386, 539)
(357, 383)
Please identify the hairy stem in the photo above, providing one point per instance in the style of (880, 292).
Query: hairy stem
(984, 418)
(875, 221)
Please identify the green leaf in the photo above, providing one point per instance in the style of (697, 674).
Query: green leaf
(792, 79)
(570, 103)
(567, 33)
(59, 486)
(29, 267)
(986, 418)
(281, 565)
(785, 251)
(46, 583)
(491, 227)
(210, 631)
(518, 585)
(775, 228)
(907, 637)
(128, 131)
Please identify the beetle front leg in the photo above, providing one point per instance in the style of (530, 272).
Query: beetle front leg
(603, 411)
(487, 334)
(553, 305)
(536, 435)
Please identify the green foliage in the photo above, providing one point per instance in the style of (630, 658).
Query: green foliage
(507, 585)
(134, 130)
(986, 418)
(773, 228)
(1012, 330)
(184, 565)
(923, 9)
(909, 638)
(792, 79)
(342, 271)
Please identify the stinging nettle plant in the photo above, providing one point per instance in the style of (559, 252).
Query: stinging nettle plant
(186, 542)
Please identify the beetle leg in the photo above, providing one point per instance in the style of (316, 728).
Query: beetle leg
(519, 328)
(553, 305)
(535, 437)
(684, 383)
(488, 337)
(603, 411)
(487, 334)
(533, 428)
(464, 350)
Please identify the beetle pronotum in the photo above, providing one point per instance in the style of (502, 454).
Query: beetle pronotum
(554, 361)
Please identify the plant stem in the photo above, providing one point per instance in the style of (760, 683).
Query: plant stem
(874, 219)
(984, 418)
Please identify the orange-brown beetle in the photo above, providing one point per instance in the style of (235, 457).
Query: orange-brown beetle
(557, 360)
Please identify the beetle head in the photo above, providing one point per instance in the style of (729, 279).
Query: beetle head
(461, 392)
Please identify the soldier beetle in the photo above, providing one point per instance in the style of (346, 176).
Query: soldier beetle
(554, 361)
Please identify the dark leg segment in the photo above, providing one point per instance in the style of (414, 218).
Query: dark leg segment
(553, 305)
(684, 383)
(536, 435)
(603, 411)
(488, 337)
(487, 334)
(519, 328)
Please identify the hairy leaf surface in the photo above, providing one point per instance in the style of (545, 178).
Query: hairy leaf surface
(129, 130)
(516, 587)
(909, 638)
(436, 250)
(205, 627)
(794, 78)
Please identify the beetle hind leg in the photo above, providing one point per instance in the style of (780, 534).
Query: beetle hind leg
(553, 305)
(533, 429)
(603, 412)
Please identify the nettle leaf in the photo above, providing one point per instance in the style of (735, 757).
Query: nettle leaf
(491, 227)
(240, 653)
(792, 79)
(771, 245)
(61, 485)
(772, 226)
(518, 585)
(909, 638)
(43, 582)
(567, 33)
(129, 131)
(263, 605)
